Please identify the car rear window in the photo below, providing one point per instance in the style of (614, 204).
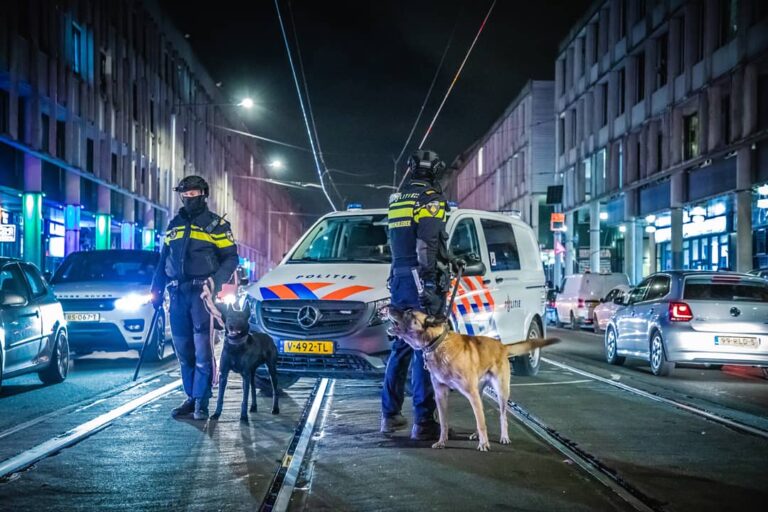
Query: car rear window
(731, 290)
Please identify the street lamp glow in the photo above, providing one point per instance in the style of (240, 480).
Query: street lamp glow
(622, 229)
(246, 103)
(276, 164)
(650, 219)
(650, 229)
(763, 191)
(603, 215)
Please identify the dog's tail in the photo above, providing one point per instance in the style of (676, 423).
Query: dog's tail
(524, 347)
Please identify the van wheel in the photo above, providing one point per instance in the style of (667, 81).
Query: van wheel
(558, 323)
(58, 368)
(611, 348)
(528, 364)
(284, 381)
(659, 364)
(595, 325)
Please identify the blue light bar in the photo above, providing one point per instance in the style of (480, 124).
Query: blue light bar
(354, 206)
(453, 204)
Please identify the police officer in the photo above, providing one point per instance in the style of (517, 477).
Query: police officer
(198, 246)
(418, 280)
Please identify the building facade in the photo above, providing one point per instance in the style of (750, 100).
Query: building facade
(662, 142)
(512, 165)
(103, 109)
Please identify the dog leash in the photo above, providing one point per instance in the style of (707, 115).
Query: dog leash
(449, 307)
(208, 302)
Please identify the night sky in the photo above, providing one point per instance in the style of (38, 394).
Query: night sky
(368, 66)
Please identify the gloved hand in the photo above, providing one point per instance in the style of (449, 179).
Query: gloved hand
(158, 296)
(458, 263)
(431, 300)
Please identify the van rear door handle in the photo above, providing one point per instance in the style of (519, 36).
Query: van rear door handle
(486, 281)
(499, 279)
(35, 314)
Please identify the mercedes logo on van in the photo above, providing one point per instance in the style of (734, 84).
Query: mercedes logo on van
(308, 316)
(735, 311)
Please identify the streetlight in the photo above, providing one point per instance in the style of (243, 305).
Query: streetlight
(276, 164)
(246, 103)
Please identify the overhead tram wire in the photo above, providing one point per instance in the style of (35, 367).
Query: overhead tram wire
(301, 103)
(426, 98)
(309, 101)
(450, 87)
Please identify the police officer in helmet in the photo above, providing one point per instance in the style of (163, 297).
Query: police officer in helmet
(418, 279)
(199, 250)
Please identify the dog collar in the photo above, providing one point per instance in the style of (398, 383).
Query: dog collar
(237, 341)
(436, 342)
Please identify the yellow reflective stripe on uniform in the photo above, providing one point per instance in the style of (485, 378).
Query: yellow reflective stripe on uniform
(399, 224)
(205, 237)
(400, 212)
(422, 212)
(402, 203)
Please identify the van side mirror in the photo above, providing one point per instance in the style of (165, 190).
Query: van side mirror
(474, 268)
(12, 299)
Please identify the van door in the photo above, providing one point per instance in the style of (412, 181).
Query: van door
(505, 281)
(472, 311)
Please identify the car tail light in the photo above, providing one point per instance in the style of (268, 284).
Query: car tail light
(580, 303)
(680, 312)
(552, 304)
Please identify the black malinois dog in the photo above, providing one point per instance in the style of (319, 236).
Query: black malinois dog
(244, 352)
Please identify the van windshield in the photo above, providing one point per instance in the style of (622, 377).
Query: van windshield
(353, 238)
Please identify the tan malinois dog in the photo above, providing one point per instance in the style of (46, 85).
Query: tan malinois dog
(464, 363)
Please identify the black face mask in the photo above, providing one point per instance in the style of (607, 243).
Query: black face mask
(194, 204)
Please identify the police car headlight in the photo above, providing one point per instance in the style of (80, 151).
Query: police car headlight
(378, 316)
(132, 302)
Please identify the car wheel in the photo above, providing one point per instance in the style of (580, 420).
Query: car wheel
(595, 324)
(58, 368)
(156, 347)
(558, 323)
(284, 381)
(574, 323)
(528, 364)
(659, 364)
(611, 348)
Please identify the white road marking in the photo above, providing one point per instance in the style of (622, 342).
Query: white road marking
(53, 445)
(551, 383)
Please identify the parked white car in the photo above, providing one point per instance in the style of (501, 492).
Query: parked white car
(607, 307)
(322, 303)
(581, 293)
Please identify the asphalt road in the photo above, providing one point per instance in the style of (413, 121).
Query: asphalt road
(673, 459)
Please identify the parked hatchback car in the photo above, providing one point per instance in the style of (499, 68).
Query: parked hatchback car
(692, 317)
(106, 301)
(581, 293)
(607, 307)
(33, 333)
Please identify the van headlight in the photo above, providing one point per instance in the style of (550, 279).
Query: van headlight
(132, 302)
(379, 311)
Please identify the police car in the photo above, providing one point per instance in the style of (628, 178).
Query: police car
(323, 303)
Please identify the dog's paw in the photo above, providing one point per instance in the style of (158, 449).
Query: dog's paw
(275, 410)
(243, 419)
(253, 409)
(504, 440)
(439, 445)
(484, 447)
(215, 416)
(473, 436)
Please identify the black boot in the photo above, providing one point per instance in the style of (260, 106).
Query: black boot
(185, 409)
(427, 431)
(391, 424)
(201, 409)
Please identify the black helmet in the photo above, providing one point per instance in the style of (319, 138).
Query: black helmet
(192, 183)
(425, 164)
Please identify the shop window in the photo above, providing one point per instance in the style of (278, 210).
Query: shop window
(691, 136)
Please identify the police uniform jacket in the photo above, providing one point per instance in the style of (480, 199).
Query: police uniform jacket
(197, 246)
(416, 220)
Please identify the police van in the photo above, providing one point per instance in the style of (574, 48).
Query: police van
(323, 303)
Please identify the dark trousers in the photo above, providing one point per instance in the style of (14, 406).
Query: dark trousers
(405, 295)
(190, 327)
